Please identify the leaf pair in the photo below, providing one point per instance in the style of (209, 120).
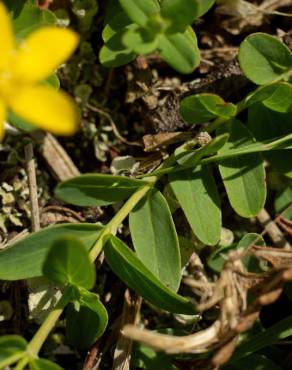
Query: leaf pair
(243, 176)
(142, 26)
(153, 234)
(68, 264)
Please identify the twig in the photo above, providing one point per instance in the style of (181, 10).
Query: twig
(33, 195)
(90, 360)
(58, 160)
(272, 229)
(193, 343)
(130, 315)
(114, 126)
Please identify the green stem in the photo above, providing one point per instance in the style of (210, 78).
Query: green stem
(44, 330)
(21, 364)
(12, 359)
(109, 229)
(112, 226)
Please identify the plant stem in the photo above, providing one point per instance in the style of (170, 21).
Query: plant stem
(44, 330)
(112, 226)
(22, 363)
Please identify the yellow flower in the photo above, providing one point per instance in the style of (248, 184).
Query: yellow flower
(22, 69)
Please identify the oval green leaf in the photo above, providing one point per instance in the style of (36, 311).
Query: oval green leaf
(180, 13)
(155, 239)
(140, 40)
(20, 123)
(11, 345)
(114, 53)
(68, 263)
(24, 259)
(204, 6)
(243, 176)
(43, 364)
(201, 108)
(264, 59)
(140, 11)
(96, 189)
(180, 51)
(86, 321)
(277, 97)
(115, 19)
(197, 194)
(29, 18)
(134, 274)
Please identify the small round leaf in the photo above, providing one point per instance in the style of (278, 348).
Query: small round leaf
(68, 263)
(264, 59)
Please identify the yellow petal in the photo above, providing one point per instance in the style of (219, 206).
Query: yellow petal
(43, 51)
(48, 109)
(6, 38)
(2, 119)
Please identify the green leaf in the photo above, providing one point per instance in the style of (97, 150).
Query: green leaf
(189, 158)
(201, 108)
(140, 40)
(68, 263)
(254, 362)
(264, 59)
(97, 189)
(53, 81)
(204, 6)
(140, 11)
(24, 259)
(20, 123)
(144, 357)
(117, 24)
(114, 53)
(86, 321)
(115, 19)
(268, 337)
(243, 176)
(283, 201)
(180, 13)
(266, 124)
(155, 239)
(43, 364)
(11, 345)
(134, 274)
(29, 18)
(180, 51)
(217, 259)
(251, 262)
(277, 97)
(197, 194)
(15, 7)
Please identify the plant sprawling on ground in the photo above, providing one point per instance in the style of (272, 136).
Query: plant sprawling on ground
(162, 227)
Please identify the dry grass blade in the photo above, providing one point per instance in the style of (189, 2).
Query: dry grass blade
(194, 343)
